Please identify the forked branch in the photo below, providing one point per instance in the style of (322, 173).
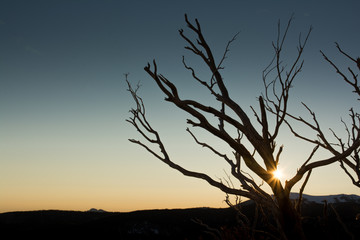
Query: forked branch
(263, 158)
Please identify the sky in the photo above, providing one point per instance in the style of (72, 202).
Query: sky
(63, 98)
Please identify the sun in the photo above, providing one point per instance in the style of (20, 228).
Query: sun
(277, 174)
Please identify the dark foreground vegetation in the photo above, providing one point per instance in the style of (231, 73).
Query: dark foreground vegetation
(337, 221)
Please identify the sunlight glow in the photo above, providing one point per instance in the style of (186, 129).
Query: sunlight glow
(277, 174)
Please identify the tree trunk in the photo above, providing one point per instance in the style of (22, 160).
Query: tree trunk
(290, 219)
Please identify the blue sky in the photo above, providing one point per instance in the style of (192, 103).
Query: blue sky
(63, 98)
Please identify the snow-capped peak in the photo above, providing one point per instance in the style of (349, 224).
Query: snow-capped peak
(328, 198)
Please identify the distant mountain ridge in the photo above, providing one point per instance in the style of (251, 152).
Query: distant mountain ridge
(337, 198)
(96, 210)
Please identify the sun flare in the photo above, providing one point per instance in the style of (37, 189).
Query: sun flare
(277, 174)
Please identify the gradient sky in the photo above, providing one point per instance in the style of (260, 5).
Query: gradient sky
(63, 98)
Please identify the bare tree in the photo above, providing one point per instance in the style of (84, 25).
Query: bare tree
(350, 165)
(263, 157)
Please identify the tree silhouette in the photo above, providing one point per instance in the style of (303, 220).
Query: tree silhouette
(263, 157)
(350, 165)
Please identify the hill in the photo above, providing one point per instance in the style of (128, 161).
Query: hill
(337, 221)
(147, 224)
